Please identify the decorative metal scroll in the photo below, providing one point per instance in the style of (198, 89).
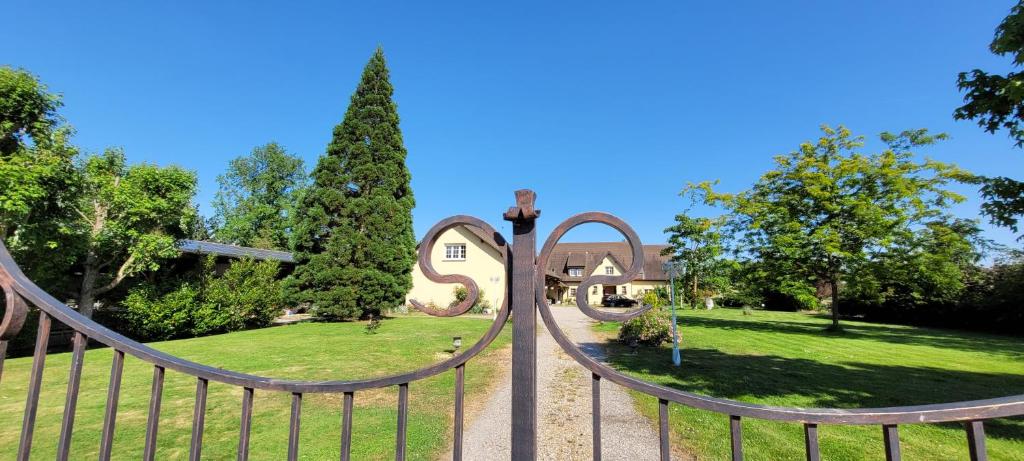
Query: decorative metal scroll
(524, 298)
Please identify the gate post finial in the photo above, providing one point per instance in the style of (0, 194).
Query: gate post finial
(524, 209)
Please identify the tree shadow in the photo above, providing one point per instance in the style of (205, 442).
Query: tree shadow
(1007, 346)
(847, 385)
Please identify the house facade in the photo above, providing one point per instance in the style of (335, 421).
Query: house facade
(461, 250)
(571, 263)
(467, 251)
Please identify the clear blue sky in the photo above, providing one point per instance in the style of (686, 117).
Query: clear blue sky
(607, 106)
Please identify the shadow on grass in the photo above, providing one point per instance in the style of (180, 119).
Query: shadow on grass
(847, 385)
(947, 339)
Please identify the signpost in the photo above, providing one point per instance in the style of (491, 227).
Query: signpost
(673, 269)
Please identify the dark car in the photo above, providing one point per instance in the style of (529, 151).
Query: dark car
(617, 301)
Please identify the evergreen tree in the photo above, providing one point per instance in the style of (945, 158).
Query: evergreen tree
(354, 240)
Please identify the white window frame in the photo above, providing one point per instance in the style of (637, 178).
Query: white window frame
(455, 252)
(609, 270)
(572, 292)
(575, 271)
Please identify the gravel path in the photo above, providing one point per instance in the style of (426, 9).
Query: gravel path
(563, 393)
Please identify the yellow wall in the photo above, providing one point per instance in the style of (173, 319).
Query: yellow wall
(483, 264)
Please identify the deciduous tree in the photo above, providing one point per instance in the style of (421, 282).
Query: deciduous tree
(827, 208)
(37, 176)
(996, 102)
(697, 243)
(256, 202)
(130, 217)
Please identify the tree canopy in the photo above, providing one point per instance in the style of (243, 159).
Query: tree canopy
(827, 209)
(996, 102)
(37, 176)
(698, 243)
(355, 245)
(129, 218)
(255, 204)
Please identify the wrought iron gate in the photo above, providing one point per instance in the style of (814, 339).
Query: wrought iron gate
(524, 299)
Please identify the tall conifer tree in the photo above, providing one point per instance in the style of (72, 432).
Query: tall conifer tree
(355, 245)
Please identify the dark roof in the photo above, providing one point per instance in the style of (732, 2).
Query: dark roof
(203, 247)
(590, 254)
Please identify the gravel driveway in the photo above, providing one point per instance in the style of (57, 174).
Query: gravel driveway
(563, 393)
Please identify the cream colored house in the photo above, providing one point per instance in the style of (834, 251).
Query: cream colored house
(570, 261)
(468, 251)
(461, 250)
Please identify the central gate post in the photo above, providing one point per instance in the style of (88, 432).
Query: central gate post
(524, 325)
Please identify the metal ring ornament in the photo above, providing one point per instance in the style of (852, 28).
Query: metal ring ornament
(636, 247)
(13, 280)
(473, 292)
(15, 309)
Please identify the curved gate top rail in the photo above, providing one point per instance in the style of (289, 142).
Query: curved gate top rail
(524, 298)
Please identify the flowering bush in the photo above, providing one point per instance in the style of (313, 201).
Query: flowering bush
(651, 328)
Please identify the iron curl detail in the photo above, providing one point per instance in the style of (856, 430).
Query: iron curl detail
(581, 292)
(15, 308)
(473, 292)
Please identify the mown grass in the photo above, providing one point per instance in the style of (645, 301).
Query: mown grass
(787, 359)
(314, 351)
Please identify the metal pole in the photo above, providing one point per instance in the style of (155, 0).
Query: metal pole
(524, 326)
(675, 337)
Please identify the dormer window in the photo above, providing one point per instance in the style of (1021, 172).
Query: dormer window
(455, 251)
(609, 270)
(575, 271)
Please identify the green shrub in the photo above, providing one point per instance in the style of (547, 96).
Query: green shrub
(654, 298)
(246, 295)
(652, 328)
(460, 293)
(155, 312)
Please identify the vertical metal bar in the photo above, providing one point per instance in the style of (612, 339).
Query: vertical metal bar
(346, 427)
(110, 414)
(811, 442)
(153, 421)
(892, 442)
(663, 430)
(524, 326)
(595, 413)
(736, 434)
(35, 382)
(198, 421)
(403, 416)
(293, 427)
(460, 383)
(243, 436)
(71, 399)
(976, 440)
(3, 355)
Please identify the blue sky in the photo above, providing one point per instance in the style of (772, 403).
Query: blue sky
(597, 106)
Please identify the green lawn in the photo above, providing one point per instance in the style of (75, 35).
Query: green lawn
(312, 351)
(778, 358)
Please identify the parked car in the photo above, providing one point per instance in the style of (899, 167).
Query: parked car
(617, 301)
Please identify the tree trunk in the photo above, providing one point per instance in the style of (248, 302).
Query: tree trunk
(87, 295)
(695, 303)
(834, 285)
(91, 271)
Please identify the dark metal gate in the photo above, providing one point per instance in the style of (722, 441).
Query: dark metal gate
(524, 299)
